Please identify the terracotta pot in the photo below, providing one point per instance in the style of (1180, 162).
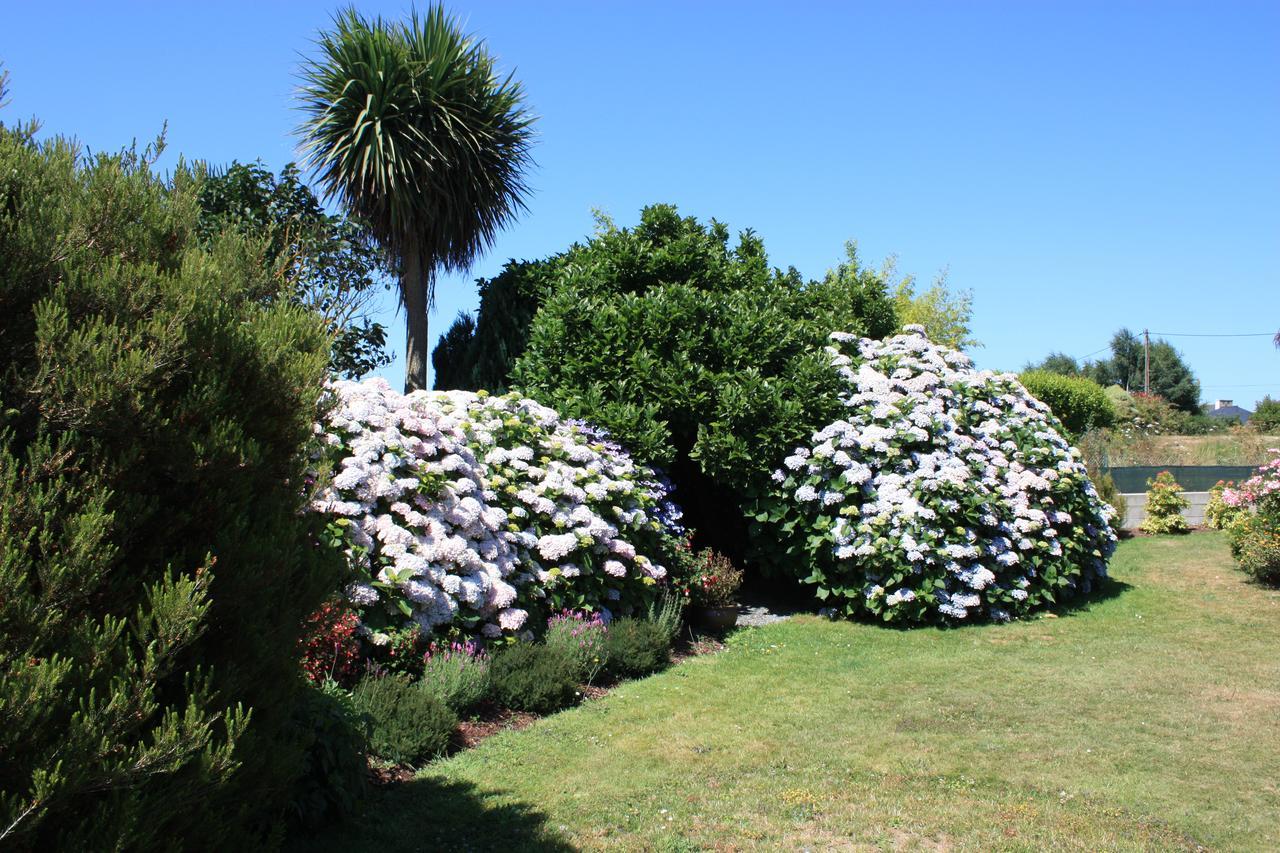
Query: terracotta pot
(718, 618)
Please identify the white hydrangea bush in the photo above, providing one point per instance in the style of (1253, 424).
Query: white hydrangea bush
(945, 494)
(467, 511)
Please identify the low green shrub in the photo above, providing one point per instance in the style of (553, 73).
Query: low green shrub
(532, 677)
(1255, 542)
(335, 766)
(407, 725)
(637, 647)
(1165, 504)
(1079, 403)
(580, 638)
(1217, 514)
(667, 613)
(457, 674)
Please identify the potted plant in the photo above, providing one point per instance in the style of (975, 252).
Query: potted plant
(713, 590)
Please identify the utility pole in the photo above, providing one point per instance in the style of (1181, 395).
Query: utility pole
(1146, 362)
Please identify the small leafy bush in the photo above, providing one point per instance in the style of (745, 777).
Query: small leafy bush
(533, 677)
(637, 647)
(716, 581)
(942, 493)
(582, 639)
(1255, 542)
(330, 647)
(457, 674)
(407, 725)
(1266, 416)
(1080, 404)
(335, 766)
(1255, 529)
(1165, 504)
(667, 613)
(1217, 514)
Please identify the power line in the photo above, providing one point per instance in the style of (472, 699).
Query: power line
(1215, 335)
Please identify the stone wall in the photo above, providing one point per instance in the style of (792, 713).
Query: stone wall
(1136, 508)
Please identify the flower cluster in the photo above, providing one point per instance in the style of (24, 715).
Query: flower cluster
(944, 494)
(330, 649)
(473, 511)
(1261, 491)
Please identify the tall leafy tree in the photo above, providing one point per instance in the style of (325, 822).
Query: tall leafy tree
(324, 261)
(1171, 378)
(410, 127)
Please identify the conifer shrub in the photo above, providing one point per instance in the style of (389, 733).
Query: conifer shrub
(942, 493)
(1165, 504)
(636, 647)
(533, 677)
(156, 403)
(406, 724)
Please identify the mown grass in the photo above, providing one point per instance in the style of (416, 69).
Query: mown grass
(1146, 720)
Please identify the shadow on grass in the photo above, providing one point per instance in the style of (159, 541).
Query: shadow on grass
(438, 814)
(1108, 589)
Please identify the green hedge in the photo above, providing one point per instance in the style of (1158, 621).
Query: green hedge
(1080, 404)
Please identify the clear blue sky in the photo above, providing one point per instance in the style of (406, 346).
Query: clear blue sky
(1079, 166)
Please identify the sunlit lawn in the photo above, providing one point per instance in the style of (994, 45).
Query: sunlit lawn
(1150, 719)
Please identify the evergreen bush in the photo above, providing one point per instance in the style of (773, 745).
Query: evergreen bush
(457, 674)
(1165, 504)
(533, 677)
(406, 724)
(636, 648)
(156, 410)
(1080, 404)
(335, 767)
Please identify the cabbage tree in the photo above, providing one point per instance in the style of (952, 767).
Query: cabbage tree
(408, 125)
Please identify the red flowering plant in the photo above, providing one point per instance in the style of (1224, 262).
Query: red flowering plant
(330, 644)
(715, 580)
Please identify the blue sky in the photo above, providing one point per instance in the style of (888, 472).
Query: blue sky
(1079, 166)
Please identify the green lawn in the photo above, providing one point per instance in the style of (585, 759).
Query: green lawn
(1148, 720)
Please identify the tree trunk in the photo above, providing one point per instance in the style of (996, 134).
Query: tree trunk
(415, 285)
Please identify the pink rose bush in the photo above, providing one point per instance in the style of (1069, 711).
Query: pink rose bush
(945, 494)
(472, 512)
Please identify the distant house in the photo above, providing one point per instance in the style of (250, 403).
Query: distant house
(1226, 410)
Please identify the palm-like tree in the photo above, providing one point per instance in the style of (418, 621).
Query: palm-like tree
(409, 126)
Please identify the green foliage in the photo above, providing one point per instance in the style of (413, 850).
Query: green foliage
(695, 356)
(637, 647)
(323, 261)
(156, 408)
(945, 314)
(579, 638)
(533, 677)
(457, 675)
(1059, 363)
(1217, 514)
(667, 613)
(1110, 495)
(1255, 543)
(1165, 504)
(335, 766)
(407, 725)
(410, 126)
(1079, 403)
(715, 580)
(1266, 415)
(1171, 378)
